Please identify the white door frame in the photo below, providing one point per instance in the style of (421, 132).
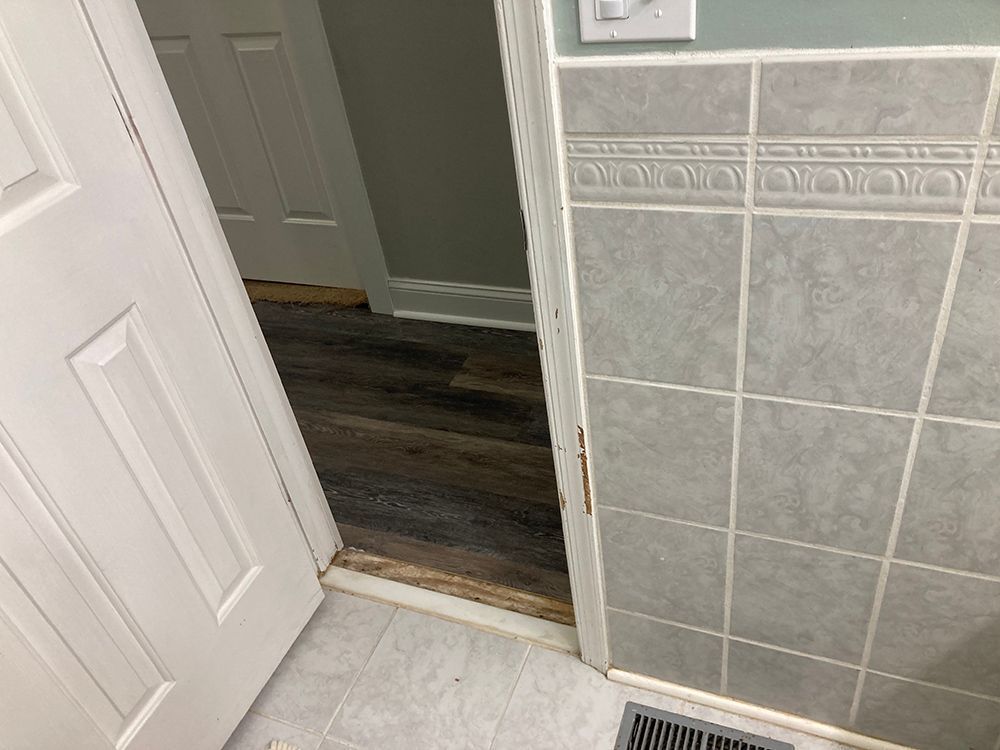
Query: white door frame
(529, 75)
(528, 68)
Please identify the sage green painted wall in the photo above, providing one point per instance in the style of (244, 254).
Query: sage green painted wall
(423, 86)
(804, 24)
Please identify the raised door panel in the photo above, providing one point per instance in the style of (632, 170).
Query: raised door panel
(33, 171)
(139, 404)
(254, 84)
(184, 77)
(281, 122)
(30, 701)
(58, 603)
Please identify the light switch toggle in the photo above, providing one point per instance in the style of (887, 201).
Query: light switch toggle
(612, 9)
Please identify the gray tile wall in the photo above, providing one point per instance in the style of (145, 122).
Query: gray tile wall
(788, 276)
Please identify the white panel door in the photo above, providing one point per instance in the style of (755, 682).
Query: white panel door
(151, 572)
(255, 88)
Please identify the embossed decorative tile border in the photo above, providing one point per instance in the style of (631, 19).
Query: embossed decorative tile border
(989, 186)
(865, 176)
(658, 171)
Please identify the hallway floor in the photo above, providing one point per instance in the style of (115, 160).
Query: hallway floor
(369, 676)
(431, 440)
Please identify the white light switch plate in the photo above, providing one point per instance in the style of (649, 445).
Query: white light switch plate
(648, 21)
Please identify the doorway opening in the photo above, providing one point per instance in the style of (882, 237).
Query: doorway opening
(359, 158)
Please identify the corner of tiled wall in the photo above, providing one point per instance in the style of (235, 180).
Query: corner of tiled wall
(788, 278)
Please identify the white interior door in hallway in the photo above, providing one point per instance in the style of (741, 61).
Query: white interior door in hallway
(151, 572)
(254, 84)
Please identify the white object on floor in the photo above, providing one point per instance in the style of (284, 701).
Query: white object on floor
(279, 745)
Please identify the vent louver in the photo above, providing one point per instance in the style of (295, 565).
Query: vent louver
(647, 728)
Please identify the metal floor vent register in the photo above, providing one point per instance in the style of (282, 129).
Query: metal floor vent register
(646, 728)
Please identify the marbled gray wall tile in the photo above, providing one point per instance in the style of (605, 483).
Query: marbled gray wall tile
(843, 310)
(659, 294)
(825, 476)
(988, 200)
(801, 598)
(817, 689)
(926, 717)
(663, 569)
(869, 176)
(952, 513)
(661, 451)
(967, 383)
(688, 172)
(940, 627)
(707, 98)
(840, 310)
(878, 96)
(667, 652)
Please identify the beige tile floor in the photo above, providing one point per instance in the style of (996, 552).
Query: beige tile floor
(368, 676)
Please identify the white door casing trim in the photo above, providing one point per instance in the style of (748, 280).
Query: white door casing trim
(528, 68)
(529, 72)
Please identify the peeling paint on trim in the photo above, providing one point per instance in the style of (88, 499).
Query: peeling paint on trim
(588, 506)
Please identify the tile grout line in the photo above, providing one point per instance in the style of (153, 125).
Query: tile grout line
(349, 745)
(811, 213)
(510, 697)
(988, 424)
(655, 384)
(741, 352)
(945, 688)
(795, 401)
(792, 400)
(804, 655)
(805, 545)
(665, 621)
(860, 214)
(659, 517)
(693, 208)
(286, 722)
(839, 139)
(350, 688)
(776, 54)
(933, 359)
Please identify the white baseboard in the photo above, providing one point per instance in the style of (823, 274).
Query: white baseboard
(465, 304)
(522, 627)
(738, 708)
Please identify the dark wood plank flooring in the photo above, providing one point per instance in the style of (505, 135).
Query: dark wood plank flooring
(430, 439)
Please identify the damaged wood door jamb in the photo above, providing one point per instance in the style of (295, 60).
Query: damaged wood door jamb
(528, 66)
